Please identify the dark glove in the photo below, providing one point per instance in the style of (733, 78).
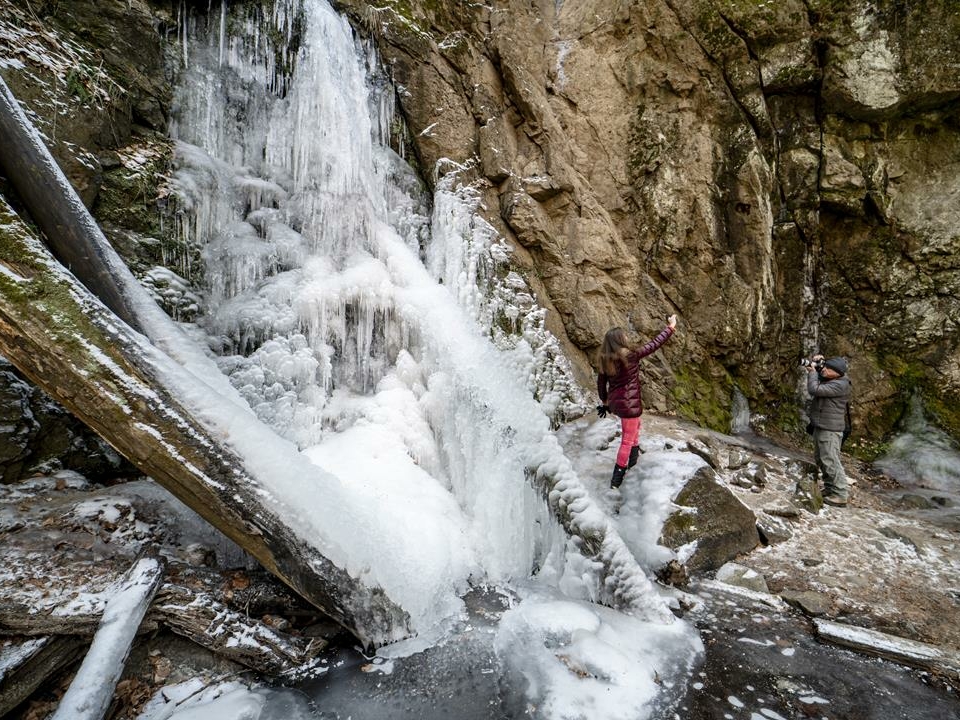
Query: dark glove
(602, 410)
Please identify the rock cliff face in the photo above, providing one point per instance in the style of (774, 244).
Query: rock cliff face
(784, 176)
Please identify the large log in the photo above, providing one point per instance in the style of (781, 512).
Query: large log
(61, 337)
(204, 620)
(40, 600)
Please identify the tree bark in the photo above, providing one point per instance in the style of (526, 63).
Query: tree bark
(112, 379)
(26, 665)
(199, 617)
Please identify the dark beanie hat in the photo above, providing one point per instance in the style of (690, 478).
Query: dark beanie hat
(837, 364)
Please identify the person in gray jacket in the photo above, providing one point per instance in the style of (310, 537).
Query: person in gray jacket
(830, 387)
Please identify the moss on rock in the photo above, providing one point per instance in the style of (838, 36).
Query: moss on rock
(699, 395)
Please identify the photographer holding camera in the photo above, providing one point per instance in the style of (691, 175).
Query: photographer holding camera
(830, 387)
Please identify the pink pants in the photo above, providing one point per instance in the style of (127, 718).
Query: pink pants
(629, 438)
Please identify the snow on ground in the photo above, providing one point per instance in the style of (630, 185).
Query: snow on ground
(379, 471)
(228, 700)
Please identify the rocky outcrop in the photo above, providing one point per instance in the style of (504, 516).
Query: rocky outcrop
(92, 74)
(37, 434)
(712, 520)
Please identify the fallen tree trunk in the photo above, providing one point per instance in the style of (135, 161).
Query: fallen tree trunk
(228, 633)
(71, 232)
(622, 583)
(890, 647)
(91, 690)
(112, 379)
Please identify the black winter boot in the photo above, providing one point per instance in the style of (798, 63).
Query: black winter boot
(618, 473)
(634, 456)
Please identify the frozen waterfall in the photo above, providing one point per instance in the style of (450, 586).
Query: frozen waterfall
(379, 329)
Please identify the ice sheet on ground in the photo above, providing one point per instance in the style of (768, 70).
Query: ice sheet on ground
(579, 660)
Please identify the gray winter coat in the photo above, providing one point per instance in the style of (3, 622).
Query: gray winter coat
(830, 398)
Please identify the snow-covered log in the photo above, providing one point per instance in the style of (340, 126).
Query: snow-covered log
(61, 337)
(91, 690)
(624, 584)
(890, 647)
(206, 621)
(71, 232)
(25, 663)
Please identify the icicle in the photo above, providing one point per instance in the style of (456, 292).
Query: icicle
(739, 412)
(183, 31)
(223, 30)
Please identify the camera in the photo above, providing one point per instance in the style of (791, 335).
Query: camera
(815, 364)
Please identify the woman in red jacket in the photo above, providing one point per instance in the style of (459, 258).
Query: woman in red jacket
(618, 386)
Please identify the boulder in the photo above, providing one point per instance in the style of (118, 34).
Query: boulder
(734, 574)
(773, 529)
(37, 434)
(711, 516)
(808, 493)
(808, 602)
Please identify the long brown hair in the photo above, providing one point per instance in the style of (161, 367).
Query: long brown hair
(613, 351)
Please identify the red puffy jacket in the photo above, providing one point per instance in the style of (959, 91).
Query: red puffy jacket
(621, 392)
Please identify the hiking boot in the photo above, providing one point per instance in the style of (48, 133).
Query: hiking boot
(617, 479)
(634, 456)
(834, 500)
